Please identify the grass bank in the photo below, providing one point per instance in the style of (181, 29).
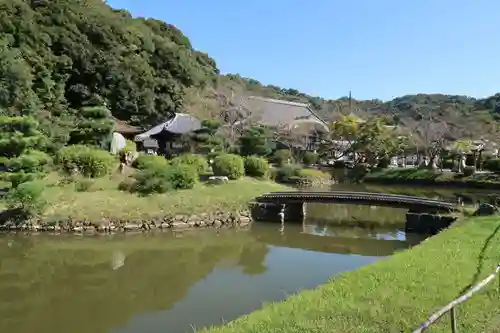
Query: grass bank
(416, 176)
(103, 200)
(398, 294)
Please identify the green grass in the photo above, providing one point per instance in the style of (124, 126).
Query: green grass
(414, 175)
(103, 200)
(398, 294)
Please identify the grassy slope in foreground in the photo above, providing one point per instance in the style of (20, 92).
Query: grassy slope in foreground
(103, 200)
(424, 176)
(398, 294)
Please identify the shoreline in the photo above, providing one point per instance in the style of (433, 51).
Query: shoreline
(178, 222)
(429, 178)
(396, 294)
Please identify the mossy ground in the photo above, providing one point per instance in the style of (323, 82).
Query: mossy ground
(398, 294)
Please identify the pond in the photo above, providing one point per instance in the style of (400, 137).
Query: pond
(176, 281)
(171, 282)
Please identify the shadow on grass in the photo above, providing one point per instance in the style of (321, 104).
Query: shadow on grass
(481, 260)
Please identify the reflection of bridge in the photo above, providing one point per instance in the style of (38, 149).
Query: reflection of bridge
(335, 244)
(422, 212)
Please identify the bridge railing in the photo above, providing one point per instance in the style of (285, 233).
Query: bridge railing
(451, 307)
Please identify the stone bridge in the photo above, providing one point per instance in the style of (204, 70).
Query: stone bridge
(424, 214)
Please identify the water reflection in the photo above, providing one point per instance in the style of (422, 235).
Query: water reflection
(166, 282)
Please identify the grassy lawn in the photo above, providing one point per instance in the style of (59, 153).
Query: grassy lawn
(103, 199)
(398, 294)
(414, 175)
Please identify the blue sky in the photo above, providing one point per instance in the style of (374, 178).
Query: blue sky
(378, 49)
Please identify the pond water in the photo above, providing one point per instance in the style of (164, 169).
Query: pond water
(176, 281)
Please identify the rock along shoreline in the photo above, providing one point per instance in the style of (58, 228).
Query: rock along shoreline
(176, 222)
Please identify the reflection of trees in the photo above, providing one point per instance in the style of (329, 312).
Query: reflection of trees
(252, 258)
(74, 289)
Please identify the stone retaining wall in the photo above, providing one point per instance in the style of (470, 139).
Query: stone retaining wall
(215, 220)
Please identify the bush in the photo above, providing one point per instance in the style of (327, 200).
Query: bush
(151, 180)
(256, 167)
(182, 176)
(27, 198)
(86, 161)
(310, 158)
(83, 185)
(145, 161)
(287, 173)
(162, 179)
(229, 165)
(469, 171)
(30, 162)
(282, 156)
(492, 165)
(130, 147)
(199, 162)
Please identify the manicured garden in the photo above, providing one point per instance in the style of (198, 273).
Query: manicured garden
(398, 294)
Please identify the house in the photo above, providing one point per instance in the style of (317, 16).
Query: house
(126, 130)
(166, 137)
(297, 118)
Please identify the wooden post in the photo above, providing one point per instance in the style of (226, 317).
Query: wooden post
(453, 320)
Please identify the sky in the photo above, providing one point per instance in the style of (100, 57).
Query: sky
(376, 49)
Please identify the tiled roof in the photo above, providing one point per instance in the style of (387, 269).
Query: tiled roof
(179, 124)
(274, 112)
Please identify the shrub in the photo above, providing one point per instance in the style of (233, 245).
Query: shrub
(282, 156)
(145, 161)
(310, 158)
(83, 185)
(151, 180)
(287, 173)
(229, 165)
(30, 162)
(130, 146)
(27, 198)
(182, 176)
(199, 162)
(162, 179)
(256, 167)
(469, 171)
(492, 165)
(86, 161)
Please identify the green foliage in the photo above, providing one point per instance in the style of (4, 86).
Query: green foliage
(162, 179)
(287, 173)
(282, 156)
(145, 161)
(229, 165)
(256, 141)
(198, 162)
(86, 161)
(469, 171)
(83, 184)
(384, 162)
(27, 198)
(19, 137)
(94, 127)
(313, 174)
(256, 167)
(492, 165)
(310, 158)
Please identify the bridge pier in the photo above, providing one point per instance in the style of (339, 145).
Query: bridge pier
(276, 212)
(427, 223)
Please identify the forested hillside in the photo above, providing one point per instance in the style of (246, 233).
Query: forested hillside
(59, 56)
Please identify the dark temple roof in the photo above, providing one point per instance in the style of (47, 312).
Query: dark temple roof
(181, 123)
